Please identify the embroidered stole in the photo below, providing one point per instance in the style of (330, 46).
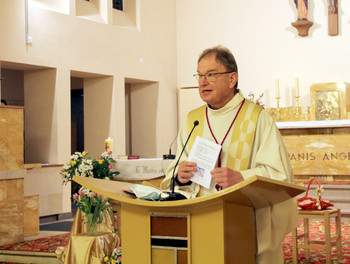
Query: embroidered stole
(242, 138)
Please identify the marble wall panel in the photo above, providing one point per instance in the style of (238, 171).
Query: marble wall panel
(319, 154)
(11, 211)
(11, 138)
(31, 215)
(11, 221)
(11, 189)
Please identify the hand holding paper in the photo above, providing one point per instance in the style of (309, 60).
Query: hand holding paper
(205, 153)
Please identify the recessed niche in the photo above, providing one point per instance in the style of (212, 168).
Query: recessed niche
(141, 104)
(129, 17)
(94, 10)
(60, 6)
(97, 109)
(36, 85)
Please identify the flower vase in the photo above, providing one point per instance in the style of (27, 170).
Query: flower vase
(92, 225)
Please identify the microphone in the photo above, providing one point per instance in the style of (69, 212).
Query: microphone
(170, 156)
(172, 195)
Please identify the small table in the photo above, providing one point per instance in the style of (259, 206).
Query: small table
(328, 243)
(90, 249)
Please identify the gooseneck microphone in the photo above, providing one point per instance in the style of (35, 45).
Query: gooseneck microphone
(170, 156)
(172, 195)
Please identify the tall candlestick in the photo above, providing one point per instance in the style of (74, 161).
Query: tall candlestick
(277, 85)
(297, 86)
(109, 144)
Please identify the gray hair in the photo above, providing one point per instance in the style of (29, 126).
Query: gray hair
(224, 56)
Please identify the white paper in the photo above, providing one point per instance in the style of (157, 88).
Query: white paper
(205, 153)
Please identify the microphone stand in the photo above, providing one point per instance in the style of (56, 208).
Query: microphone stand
(172, 195)
(170, 156)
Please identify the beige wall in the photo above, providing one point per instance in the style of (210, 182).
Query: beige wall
(70, 42)
(159, 41)
(265, 44)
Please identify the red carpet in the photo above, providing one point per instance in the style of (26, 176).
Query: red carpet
(44, 245)
(318, 256)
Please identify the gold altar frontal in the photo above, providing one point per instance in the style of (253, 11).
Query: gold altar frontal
(319, 154)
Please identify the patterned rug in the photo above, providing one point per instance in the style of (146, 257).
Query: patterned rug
(46, 245)
(318, 256)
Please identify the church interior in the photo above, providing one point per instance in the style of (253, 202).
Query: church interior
(78, 75)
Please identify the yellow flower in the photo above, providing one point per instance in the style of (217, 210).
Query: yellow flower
(100, 161)
(73, 162)
(113, 261)
(106, 259)
(84, 153)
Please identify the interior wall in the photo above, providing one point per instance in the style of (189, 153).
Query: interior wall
(143, 102)
(12, 87)
(265, 44)
(71, 40)
(97, 113)
(40, 126)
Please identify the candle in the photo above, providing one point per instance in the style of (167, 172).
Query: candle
(277, 85)
(109, 144)
(297, 86)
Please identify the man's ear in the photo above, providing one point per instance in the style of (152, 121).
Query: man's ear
(233, 79)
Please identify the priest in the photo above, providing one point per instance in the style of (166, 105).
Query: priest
(251, 145)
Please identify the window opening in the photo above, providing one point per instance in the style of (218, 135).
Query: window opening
(118, 4)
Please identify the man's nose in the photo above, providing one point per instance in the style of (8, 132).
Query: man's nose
(203, 81)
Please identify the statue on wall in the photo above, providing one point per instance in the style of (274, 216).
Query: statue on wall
(302, 7)
(332, 17)
(302, 24)
(331, 6)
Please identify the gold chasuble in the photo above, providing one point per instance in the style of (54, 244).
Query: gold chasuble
(242, 136)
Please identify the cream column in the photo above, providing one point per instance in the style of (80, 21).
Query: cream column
(118, 120)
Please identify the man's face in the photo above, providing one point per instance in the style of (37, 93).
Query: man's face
(219, 92)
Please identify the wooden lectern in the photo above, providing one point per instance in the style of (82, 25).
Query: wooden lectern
(217, 228)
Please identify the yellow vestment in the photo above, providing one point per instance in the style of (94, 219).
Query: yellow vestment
(267, 157)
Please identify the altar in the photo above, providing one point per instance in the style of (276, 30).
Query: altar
(321, 149)
(318, 148)
(139, 170)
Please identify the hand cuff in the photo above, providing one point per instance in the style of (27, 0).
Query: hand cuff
(180, 183)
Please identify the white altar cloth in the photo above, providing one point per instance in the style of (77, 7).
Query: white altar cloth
(141, 169)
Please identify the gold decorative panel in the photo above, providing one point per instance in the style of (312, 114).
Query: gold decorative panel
(330, 101)
(319, 154)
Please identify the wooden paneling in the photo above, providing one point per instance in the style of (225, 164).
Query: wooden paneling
(169, 226)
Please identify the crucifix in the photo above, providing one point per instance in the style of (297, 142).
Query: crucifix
(332, 17)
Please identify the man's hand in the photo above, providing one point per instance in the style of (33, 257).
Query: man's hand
(226, 177)
(185, 171)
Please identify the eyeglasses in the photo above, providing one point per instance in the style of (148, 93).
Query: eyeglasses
(210, 77)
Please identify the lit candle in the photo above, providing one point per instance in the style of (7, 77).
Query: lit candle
(297, 86)
(277, 85)
(109, 144)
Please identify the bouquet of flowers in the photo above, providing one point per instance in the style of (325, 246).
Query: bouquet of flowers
(115, 258)
(258, 101)
(80, 164)
(93, 205)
